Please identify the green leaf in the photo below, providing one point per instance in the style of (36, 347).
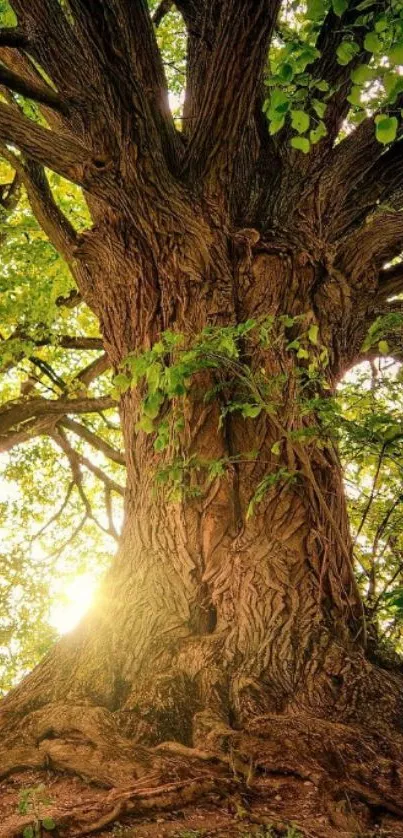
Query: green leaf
(372, 42)
(318, 133)
(301, 143)
(48, 823)
(313, 333)
(396, 89)
(300, 121)
(346, 51)
(302, 353)
(362, 74)
(145, 424)
(279, 102)
(295, 344)
(319, 107)
(287, 320)
(286, 72)
(339, 7)
(395, 54)
(153, 376)
(354, 97)
(152, 404)
(321, 85)
(386, 129)
(381, 24)
(121, 382)
(383, 347)
(276, 125)
(28, 832)
(315, 9)
(251, 410)
(276, 448)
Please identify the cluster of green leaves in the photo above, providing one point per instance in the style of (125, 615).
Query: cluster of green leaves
(32, 802)
(174, 366)
(297, 95)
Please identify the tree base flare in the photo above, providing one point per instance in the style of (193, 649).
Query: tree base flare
(330, 778)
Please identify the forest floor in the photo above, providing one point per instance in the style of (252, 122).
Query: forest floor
(280, 807)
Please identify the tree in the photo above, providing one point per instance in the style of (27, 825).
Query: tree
(235, 258)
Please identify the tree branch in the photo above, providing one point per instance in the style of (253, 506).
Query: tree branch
(377, 241)
(390, 282)
(56, 514)
(39, 93)
(31, 429)
(64, 155)
(15, 414)
(76, 460)
(327, 67)
(13, 36)
(231, 85)
(96, 441)
(53, 42)
(121, 39)
(164, 7)
(73, 299)
(64, 341)
(93, 370)
(50, 217)
(382, 184)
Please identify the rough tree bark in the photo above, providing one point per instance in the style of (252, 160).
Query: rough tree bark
(214, 631)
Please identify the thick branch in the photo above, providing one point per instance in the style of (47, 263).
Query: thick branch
(327, 67)
(64, 155)
(73, 299)
(39, 93)
(52, 41)
(164, 7)
(120, 37)
(382, 184)
(390, 282)
(64, 341)
(44, 425)
(231, 85)
(377, 241)
(14, 414)
(13, 37)
(93, 370)
(54, 223)
(96, 441)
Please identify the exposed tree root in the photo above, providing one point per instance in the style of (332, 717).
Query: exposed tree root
(341, 761)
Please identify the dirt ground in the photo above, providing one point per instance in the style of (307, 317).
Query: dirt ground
(278, 807)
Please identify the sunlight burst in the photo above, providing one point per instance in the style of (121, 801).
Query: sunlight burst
(75, 601)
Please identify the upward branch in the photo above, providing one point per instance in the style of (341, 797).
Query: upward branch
(232, 84)
(38, 92)
(328, 67)
(119, 37)
(64, 155)
(13, 37)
